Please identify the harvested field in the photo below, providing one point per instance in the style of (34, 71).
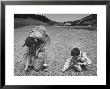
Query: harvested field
(62, 41)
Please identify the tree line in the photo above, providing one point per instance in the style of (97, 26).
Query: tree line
(32, 16)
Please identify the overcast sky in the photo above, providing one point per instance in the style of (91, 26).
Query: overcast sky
(65, 17)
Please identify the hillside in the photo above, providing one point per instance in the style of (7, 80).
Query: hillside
(21, 20)
(89, 20)
(32, 16)
(18, 22)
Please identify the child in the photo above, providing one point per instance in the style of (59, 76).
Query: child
(35, 42)
(77, 60)
(39, 33)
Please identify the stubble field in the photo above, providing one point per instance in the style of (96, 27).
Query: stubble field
(62, 40)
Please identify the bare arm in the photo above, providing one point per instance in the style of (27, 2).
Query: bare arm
(67, 64)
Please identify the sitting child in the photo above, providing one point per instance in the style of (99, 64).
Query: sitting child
(78, 60)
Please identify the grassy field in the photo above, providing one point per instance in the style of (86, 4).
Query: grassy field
(62, 41)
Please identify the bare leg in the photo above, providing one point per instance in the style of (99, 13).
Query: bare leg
(27, 62)
(24, 58)
(45, 58)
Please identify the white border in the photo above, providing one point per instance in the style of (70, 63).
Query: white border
(100, 79)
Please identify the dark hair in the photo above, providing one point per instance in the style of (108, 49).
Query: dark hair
(75, 52)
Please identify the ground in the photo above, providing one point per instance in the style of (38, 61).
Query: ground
(63, 39)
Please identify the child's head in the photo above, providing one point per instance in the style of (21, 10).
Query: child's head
(42, 29)
(75, 52)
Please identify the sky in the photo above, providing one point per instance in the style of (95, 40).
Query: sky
(65, 17)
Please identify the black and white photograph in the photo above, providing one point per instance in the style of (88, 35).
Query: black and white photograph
(47, 44)
(55, 44)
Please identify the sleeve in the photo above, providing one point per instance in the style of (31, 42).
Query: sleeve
(84, 54)
(87, 60)
(67, 64)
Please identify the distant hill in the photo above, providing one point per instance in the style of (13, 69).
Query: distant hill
(32, 16)
(89, 20)
(21, 20)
